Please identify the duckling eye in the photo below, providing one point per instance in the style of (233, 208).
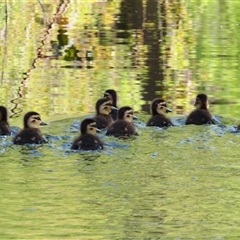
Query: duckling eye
(163, 104)
(37, 118)
(106, 95)
(130, 114)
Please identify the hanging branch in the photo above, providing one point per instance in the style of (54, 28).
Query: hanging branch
(44, 12)
(60, 10)
(5, 41)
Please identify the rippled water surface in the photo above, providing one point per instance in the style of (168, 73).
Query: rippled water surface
(58, 58)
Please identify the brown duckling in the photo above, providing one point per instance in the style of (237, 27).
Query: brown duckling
(158, 110)
(31, 133)
(124, 125)
(88, 139)
(103, 109)
(4, 125)
(201, 114)
(111, 94)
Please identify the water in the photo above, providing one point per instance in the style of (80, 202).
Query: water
(179, 183)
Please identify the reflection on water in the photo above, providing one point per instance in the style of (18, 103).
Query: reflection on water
(58, 58)
(63, 56)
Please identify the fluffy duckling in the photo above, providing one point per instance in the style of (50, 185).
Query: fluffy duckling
(124, 125)
(88, 139)
(103, 109)
(4, 125)
(31, 133)
(201, 114)
(111, 94)
(158, 110)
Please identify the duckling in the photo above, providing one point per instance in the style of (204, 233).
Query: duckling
(158, 110)
(111, 94)
(103, 109)
(201, 114)
(88, 139)
(31, 133)
(124, 125)
(4, 125)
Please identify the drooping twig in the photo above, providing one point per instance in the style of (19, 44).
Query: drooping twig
(60, 10)
(5, 41)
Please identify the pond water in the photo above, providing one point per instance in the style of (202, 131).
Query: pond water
(58, 58)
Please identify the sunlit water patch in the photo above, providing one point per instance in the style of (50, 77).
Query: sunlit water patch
(170, 183)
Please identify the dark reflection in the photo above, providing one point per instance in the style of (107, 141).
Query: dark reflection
(151, 30)
(71, 54)
(130, 17)
(154, 34)
(62, 31)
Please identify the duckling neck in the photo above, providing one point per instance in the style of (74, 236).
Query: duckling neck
(4, 121)
(204, 107)
(32, 128)
(157, 114)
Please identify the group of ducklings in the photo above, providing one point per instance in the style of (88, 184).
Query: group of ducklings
(117, 122)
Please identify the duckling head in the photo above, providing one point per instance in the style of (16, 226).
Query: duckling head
(126, 113)
(201, 101)
(32, 120)
(89, 126)
(159, 106)
(111, 94)
(104, 106)
(3, 114)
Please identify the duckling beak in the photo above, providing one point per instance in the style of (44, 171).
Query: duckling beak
(43, 123)
(168, 110)
(114, 108)
(135, 117)
(98, 130)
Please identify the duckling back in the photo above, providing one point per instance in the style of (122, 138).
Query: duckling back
(121, 128)
(30, 136)
(87, 142)
(159, 121)
(103, 121)
(199, 117)
(4, 128)
(114, 114)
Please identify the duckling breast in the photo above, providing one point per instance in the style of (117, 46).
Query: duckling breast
(29, 136)
(199, 117)
(121, 128)
(87, 142)
(159, 121)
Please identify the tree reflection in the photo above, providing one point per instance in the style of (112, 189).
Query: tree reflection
(148, 23)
